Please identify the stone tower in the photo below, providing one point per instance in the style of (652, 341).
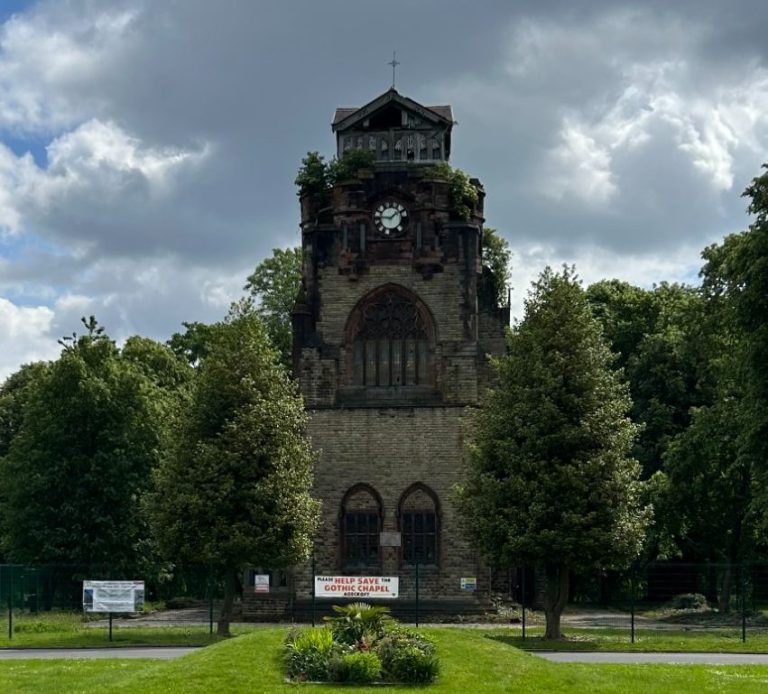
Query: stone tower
(392, 333)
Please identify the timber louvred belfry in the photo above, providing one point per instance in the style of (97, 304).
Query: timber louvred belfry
(392, 332)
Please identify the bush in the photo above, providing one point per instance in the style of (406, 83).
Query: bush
(413, 666)
(309, 654)
(358, 621)
(361, 644)
(362, 667)
(349, 164)
(464, 195)
(688, 601)
(407, 656)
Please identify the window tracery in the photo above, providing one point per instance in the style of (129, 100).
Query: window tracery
(391, 346)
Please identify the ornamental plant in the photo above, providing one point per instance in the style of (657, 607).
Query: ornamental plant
(357, 622)
(360, 644)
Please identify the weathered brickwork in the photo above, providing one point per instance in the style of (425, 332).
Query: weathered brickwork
(390, 450)
(393, 448)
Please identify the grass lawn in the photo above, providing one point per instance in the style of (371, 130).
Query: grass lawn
(68, 630)
(471, 662)
(656, 641)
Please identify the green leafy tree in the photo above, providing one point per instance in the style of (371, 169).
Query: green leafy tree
(235, 489)
(274, 285)
(660, 343)
(496, 257)
(14, 394)
(551, 483)
(710, 490)
(192, 344)
(736, 275)
(75, 472)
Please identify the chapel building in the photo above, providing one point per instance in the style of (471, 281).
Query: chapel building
(392, 335)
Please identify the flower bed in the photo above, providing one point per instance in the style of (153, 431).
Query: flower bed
(360, 644)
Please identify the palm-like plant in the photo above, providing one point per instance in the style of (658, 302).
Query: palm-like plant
(358, 622)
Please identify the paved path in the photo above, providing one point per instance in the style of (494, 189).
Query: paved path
(638, 658)
(162, 653)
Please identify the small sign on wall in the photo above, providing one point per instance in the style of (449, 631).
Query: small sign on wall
(469, 583)
(389, 539)
(261, 583)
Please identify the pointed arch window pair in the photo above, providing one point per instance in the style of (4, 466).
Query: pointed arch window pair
(361, 524)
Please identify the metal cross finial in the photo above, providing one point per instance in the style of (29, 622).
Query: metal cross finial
(394, 63)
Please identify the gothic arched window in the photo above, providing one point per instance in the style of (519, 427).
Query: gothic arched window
(390, 340)
(360, 525)
(419, 517)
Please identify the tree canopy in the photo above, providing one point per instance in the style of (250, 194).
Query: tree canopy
(496, 257)
(551, 482)
(234, 489)
(75, 472)
(274, 285)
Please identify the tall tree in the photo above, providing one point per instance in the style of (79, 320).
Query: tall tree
(75, 473)
(550, 482)
(659, 341)
(736, 273)
(235, 489)
(274, 285)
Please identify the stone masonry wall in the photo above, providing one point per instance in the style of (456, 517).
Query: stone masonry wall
(390, 449)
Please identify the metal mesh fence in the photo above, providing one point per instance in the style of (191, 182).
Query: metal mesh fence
(36, 601)
(660, 599)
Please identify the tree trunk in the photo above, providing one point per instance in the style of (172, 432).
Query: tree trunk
(231, 581)
(555, 598)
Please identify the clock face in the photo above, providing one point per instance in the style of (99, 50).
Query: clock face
(390, 218)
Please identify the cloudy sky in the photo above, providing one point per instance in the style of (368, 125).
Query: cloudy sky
(148, 147)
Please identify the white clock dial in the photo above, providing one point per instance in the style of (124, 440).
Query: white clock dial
(389, 217)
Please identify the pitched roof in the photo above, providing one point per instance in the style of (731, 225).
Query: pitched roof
(348, 116)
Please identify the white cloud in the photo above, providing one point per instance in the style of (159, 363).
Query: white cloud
(25, 336)
(106, 165)
(97, 176)
(580, 167)
(595, 264)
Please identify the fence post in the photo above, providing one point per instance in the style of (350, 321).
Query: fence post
(743, 604)
(632, 607)
(210, 598)
(110, 627)
(417, 592)
(522, 602)
(313, 588)
(10, 604)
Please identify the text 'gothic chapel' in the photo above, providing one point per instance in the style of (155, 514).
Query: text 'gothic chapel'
(392, 333)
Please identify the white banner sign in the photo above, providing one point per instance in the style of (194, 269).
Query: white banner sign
(356, 586)
(261, 583)
(113, 596)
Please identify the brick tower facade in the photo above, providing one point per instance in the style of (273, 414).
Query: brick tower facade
(392, 333)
